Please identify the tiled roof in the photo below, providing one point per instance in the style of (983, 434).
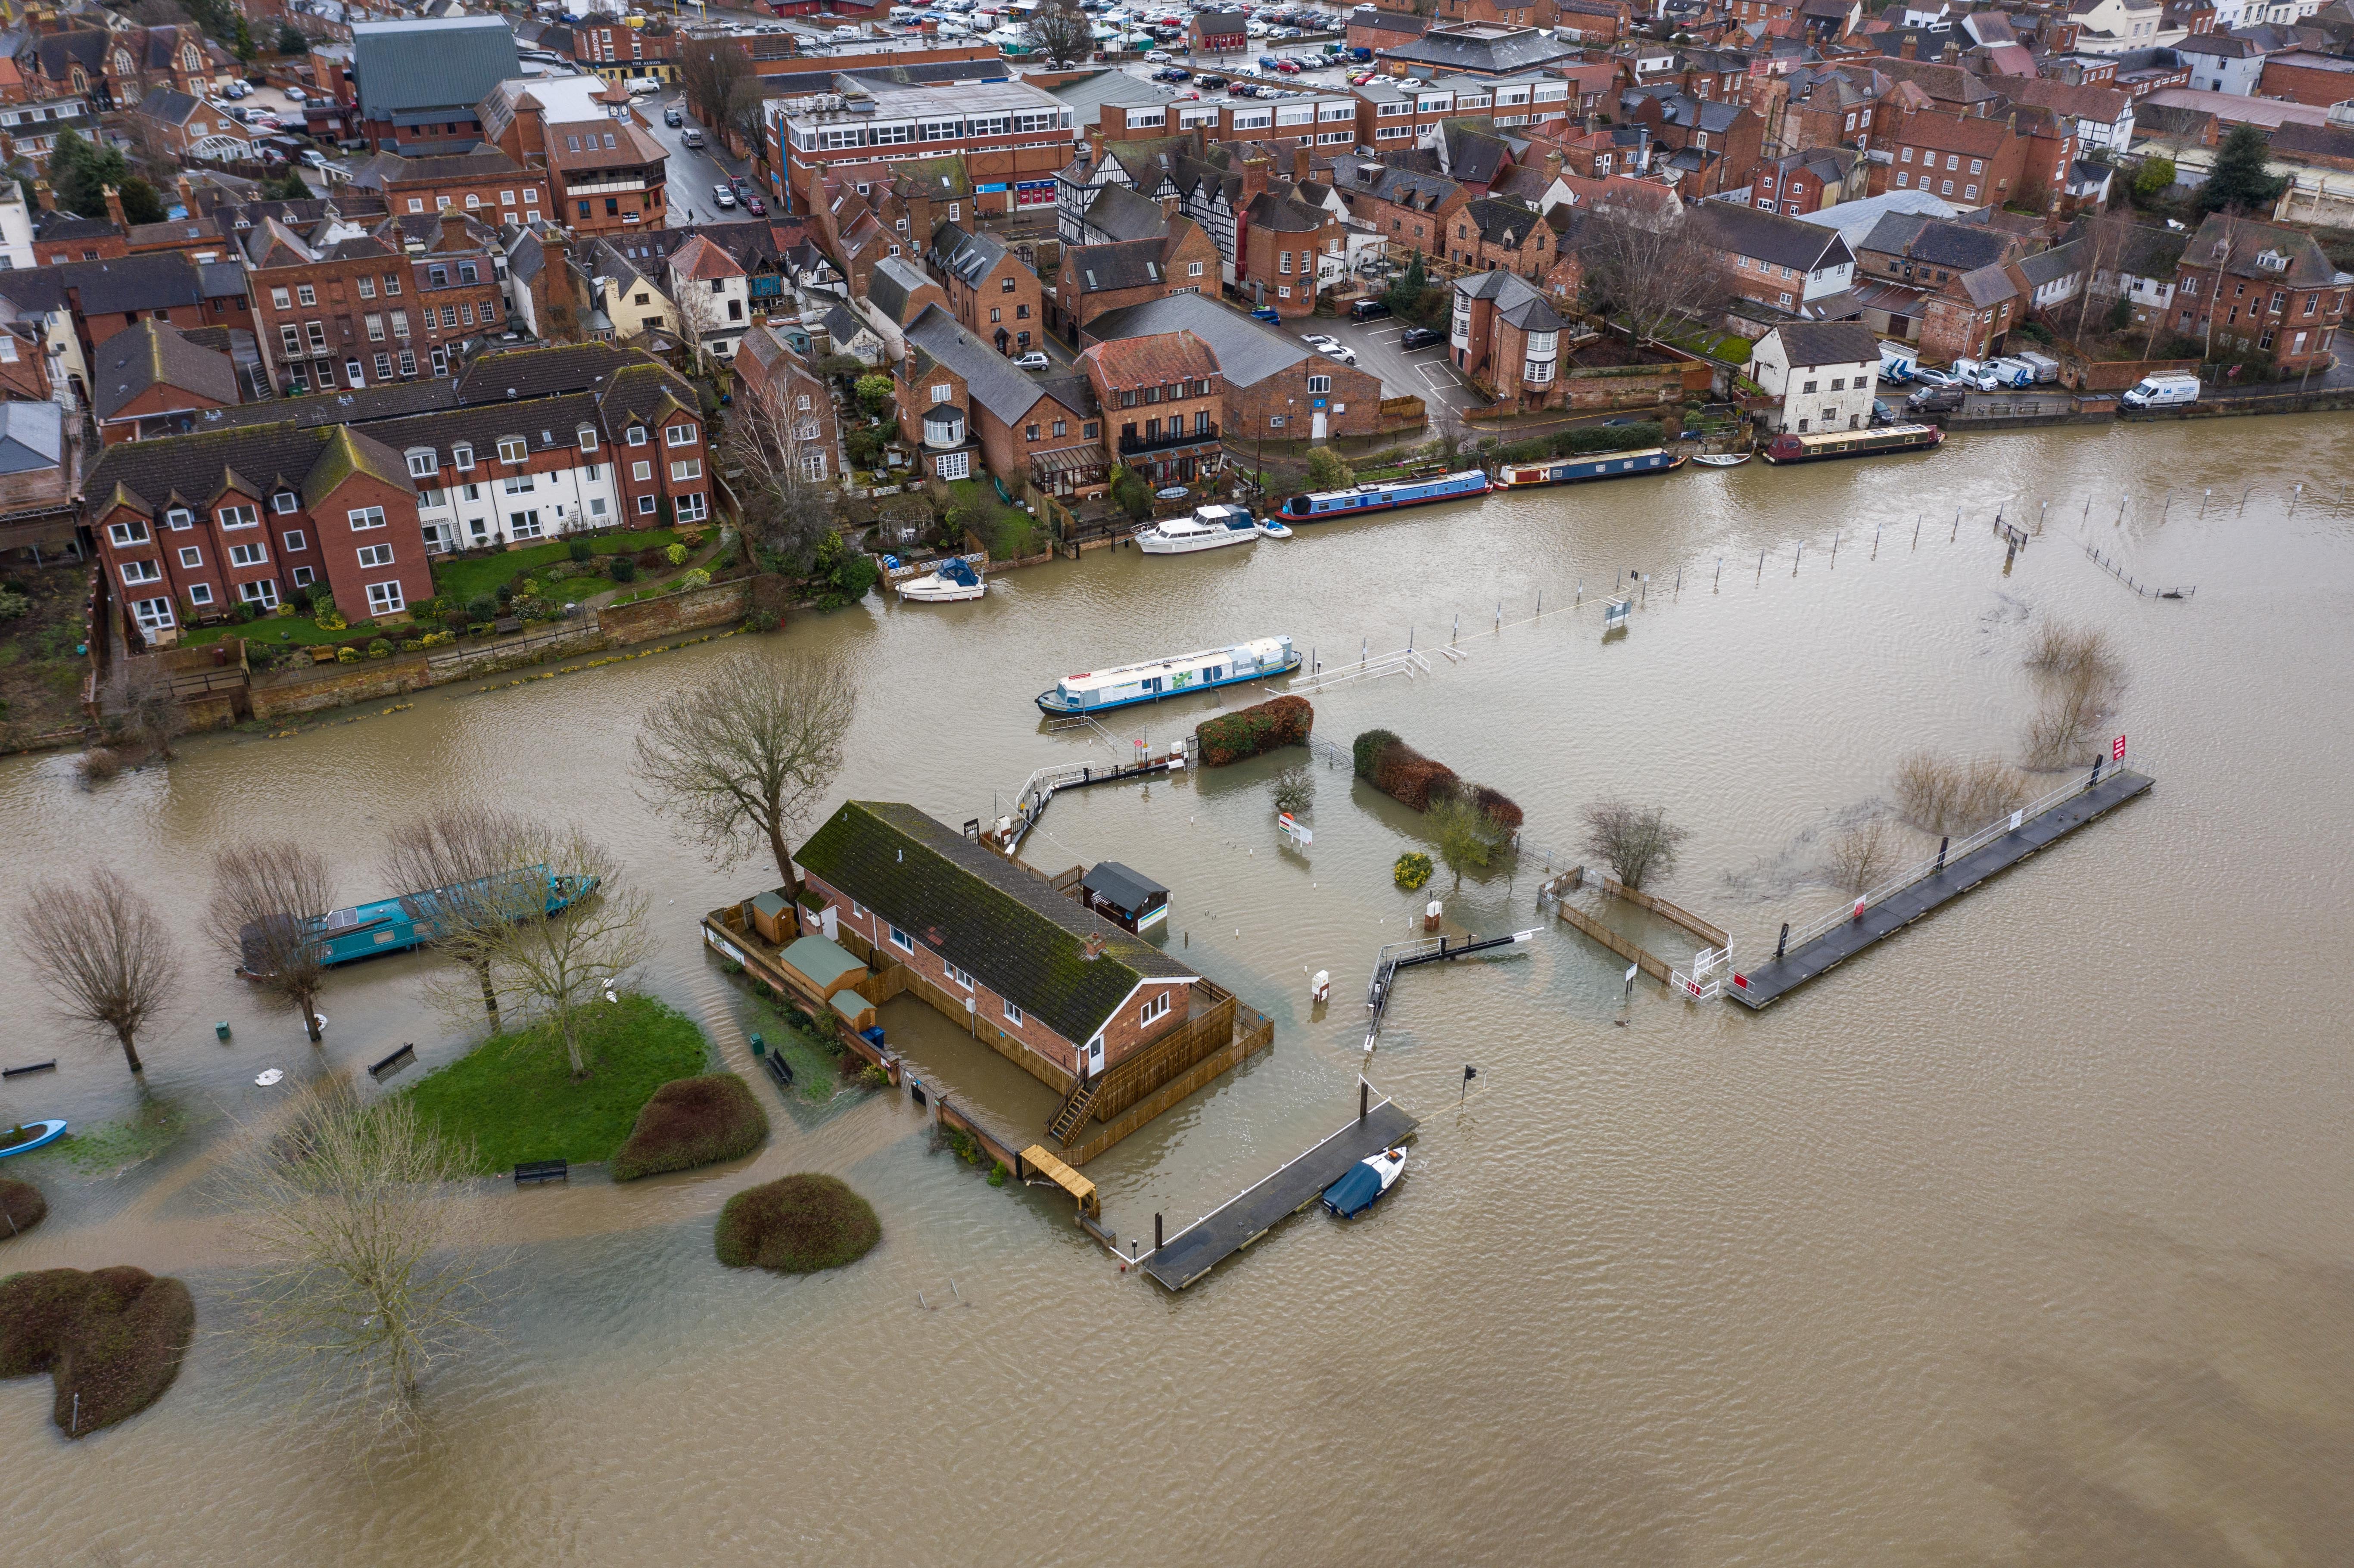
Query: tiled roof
(1769, 236)
(154, 353)
(1104, 268)
(155, 282)
(1280, 212)
(1987, 285)
(996, 385)
(622, 144)
(1121, 213)
(32, 437)
(386, 170)
(701, 261)
(1517, 301)
(1153, 361)
(264, 459)
(894, 284)
(1827, 343)
(1248, 352)
(972, 256)
(2307, 267)
(996, 920)
(1500, 222)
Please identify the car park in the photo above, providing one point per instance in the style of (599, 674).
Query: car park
(1421, 337)
(1034, 360)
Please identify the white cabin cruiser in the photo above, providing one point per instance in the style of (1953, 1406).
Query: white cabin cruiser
(952, 580)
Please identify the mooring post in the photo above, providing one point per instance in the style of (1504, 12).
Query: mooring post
(1719, 586)
(1680, 582)
(1917, 528)
(1646, 587)
(1796, 555)
(1876, 530)
(1957, 526)
(1782, 946)
(1761, 566)
(1364, 1099)
(1835, 544)
(1156, 1233)
(2096, 768)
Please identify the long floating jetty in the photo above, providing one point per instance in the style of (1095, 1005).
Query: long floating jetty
(1243, 1218)
(1770, 981)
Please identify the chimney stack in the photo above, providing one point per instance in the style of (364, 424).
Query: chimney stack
(1094, 948)
(114, 206)
(1952, 52)
(1301, 167)
(188, 196)
(1553, 166)
(1255, 169)
(1910, 49)
(47, 197)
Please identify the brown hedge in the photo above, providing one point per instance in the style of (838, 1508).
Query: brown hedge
(1499, 807)
(1400, 772)
(1248, 732)
(691, 1122)
(22, 1204)
(797, 1224)
(111, 1340)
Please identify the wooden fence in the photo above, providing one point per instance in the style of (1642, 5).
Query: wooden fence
(1611, 940)
(1208, 1027)
(1253, 1030)
(1712, 935)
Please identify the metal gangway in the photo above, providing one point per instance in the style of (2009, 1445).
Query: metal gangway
(1406, 662)
(1395, 955)
(1704, 981)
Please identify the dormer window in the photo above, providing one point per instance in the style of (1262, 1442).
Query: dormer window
(636, 435)
(423, 463)
(285, 501)
(588, 438)
(179, 517)
(514, 449)
(461, 458)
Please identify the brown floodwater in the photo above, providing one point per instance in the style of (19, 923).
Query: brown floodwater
(2026, 1237)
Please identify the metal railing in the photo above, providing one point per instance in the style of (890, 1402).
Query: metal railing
(1132, 444)
(1703, 982)
(1406, 662)
(1801, 935)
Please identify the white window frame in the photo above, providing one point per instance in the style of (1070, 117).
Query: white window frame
(1153, 1012)
(133, 532)
(294, 541)
(250, 554)
(424, 463)
(961, 977)
(304, 576)
(679, 435)
(372, 555)
(138, 574)
(901, 940)
(365, 518)
(386, 598)
(1014, 1013)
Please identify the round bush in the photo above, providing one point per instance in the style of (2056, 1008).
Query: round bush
(798, 1224)
(622, 569)
(483, 607)
(1413, 869)
(111, 1340)
(691, 1122)
(21, 1207)
(579, 550)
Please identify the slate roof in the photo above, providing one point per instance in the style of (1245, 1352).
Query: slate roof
(1517, 301)
(2050, 266)
(894, 282)
(1248, 351)
(538, 372)
(389, 169)
(1127, 889)
(265, 459)
(1284, 214)
(998, 921)
(174, 109)
(1484, 51)
(1473, 154)
(1769, 236)
(1499, 222)
(154, 353)
(155, 282)
(1105, 269)
(32, 437)
(972, 256)
(2309, 267)
(1404, 187)
(996, 386)
(1384, 21)
(843, 325)
(412, 64)
(1121, 214)
(1827, 343)
(1987, 285)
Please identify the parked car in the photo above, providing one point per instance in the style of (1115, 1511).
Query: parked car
(672, 117)
(1945, 399)
(1929, 375)
(693, 138)
(754, 206)
(296, 95)
(1034, 360)
(1160, 57)
(1266, 313)
(1266, 62)
(315, 158)
(1421, 337)
(1210, 83)
(1368, 310)
(723, 196)
(1881, 413)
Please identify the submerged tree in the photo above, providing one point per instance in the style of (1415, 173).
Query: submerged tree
(1469, 837)
(268, 900)
(1327, 470)
(554, 964)
(1635, 842)
(373, 1256)
(739, 761)
(452, 861)
(104, 957)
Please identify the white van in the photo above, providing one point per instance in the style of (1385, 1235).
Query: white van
(902, 13)
(642, 84)
(2165, 389)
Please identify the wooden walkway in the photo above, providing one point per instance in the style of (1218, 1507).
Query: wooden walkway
(1776, 978)
(1243, 1219)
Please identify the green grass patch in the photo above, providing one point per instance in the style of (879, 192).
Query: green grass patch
(817, 1072)
(463, 579)
(287, 629)
(1008, 532)
(114, 1146)
(513, 1096)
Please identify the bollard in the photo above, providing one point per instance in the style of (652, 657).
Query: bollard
(1364, 1099)
(1957, 527)
(1780, 946)
(1156, 1233)
(1942, 844)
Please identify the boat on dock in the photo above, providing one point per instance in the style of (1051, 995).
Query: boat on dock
(1367, 1181)
(1207, 528)
(1826, 445)
(951, 580)
(1576, 470)
(410, 920)
(1092, 691)
(1324, 505)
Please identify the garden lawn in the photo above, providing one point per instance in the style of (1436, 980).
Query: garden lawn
(463, 579)
(817, 1072)
(1008, 532)
(514, 1098)
(284, 631)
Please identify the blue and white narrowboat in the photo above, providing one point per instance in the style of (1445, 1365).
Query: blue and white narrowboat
(1092, 691)
(1575, 471)
(1324, 505)
(412, 919)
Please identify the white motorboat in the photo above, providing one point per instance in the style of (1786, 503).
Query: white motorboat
(1365, 1183)
(1209, 528)
(952, 580)
(1273, 528)
(1722, 460)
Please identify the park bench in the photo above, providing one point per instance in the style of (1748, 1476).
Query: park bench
(527, 1171)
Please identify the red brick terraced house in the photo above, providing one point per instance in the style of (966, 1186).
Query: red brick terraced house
(964, 406)
(605, 173)
(189, 526)
(2261, 290)
(1063, 993)
(1163, 401)
(1506, 340)
(770, 377)
(150, 381)
(1098, 277)
(485, 183)
(1221, 31)
(1493, 233)
(1277, 387)
(989, 289)
(346, 305)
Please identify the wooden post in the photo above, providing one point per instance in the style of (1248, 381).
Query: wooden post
(1365, 1094)
(1156, 1233)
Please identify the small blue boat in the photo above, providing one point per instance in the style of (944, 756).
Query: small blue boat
(1324, 505)
(1363, 1187)
(412, 919)
(44, 1134)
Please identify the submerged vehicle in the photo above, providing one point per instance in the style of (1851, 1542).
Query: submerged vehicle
(1092, 691)
(1364, 1184)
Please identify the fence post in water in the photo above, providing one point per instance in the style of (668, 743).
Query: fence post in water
(1680, 582)
(1761, 566)
(1156, 1233)
(1835, 544)
(1942, 844)
(1451, 636)
(2296, 497)
(1782, 946)
(1364, 1098)
(1916, 529)
(1719, 587)
(1796, 555)
(1957, 525)
(1876, 529)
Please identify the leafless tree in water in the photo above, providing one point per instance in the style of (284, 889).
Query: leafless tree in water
(453, 861)
(103, 954)
(268, 900)
(1862, 856)
(1635, 842)
(740, 761)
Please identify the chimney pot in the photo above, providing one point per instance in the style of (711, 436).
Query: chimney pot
(1093, 947)
(114, 206)
(47, 197)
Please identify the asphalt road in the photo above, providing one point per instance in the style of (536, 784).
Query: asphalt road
(690, 175)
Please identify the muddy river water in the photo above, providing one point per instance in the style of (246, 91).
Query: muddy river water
(2028, 1237)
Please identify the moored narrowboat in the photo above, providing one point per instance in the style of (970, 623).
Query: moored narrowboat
(1324, 505)
(1576, 470)
(1828, 444)
(1092, 690)
(412, 919)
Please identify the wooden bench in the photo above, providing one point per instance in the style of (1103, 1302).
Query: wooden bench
(530, 1171)
(404, 1057)
(47, 1066)
(778, 1069)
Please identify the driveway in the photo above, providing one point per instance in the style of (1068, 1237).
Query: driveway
(692, 174)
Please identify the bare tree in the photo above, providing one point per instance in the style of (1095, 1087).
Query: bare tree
(103, 954)
(769, 442)
(709, 68)
(268, 900)
(741, 760)
(553, 963)
(453, 863)
(373, 1259)
(1636, 840)
(700, 314)
(1861, 858)
(1059, 30)
(1649, 270)
(150, 709)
